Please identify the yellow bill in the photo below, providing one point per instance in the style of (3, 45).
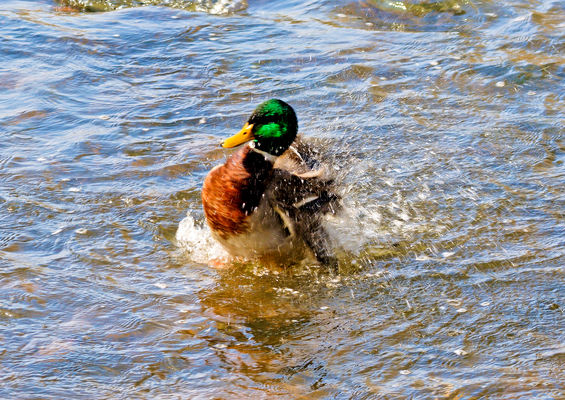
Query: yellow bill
(244, 135)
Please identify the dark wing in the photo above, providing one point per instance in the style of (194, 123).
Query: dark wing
(305, 194)
(309, 193)
(301, 181)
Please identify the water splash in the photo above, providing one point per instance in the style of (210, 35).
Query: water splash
(370, 225)
(196, 239)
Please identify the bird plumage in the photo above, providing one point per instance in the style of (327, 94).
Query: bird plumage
(269, 198)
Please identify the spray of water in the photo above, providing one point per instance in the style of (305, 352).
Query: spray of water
(353, 231)
(196, 239)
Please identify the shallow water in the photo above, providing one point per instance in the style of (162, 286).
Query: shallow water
(444, 121)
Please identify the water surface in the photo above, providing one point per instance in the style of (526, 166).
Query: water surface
(443, 119)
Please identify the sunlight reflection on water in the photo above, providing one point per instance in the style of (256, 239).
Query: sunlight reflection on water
(444, 120)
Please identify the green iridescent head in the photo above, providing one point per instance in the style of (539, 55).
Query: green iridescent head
(272, 126)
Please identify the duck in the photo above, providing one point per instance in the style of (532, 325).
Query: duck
(269, 199)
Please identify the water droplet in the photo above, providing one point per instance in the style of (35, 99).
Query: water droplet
(404, 216)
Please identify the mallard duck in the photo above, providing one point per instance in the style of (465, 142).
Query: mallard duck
(268, 199)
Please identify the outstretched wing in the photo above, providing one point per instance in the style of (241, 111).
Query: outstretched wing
(303, 189)
(304, 194)
(301, 182)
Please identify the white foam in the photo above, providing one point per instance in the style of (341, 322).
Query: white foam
(196, 239)
(355, 226)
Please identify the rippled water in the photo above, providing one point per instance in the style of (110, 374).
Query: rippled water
(444, 119)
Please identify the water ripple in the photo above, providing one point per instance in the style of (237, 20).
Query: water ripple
(442, 119)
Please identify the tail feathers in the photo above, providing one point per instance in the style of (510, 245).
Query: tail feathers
(317, 239)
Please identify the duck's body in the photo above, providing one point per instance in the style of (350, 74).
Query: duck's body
(270, 204)
(240, 214)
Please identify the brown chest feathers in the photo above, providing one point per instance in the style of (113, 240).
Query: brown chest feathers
(233, 190)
